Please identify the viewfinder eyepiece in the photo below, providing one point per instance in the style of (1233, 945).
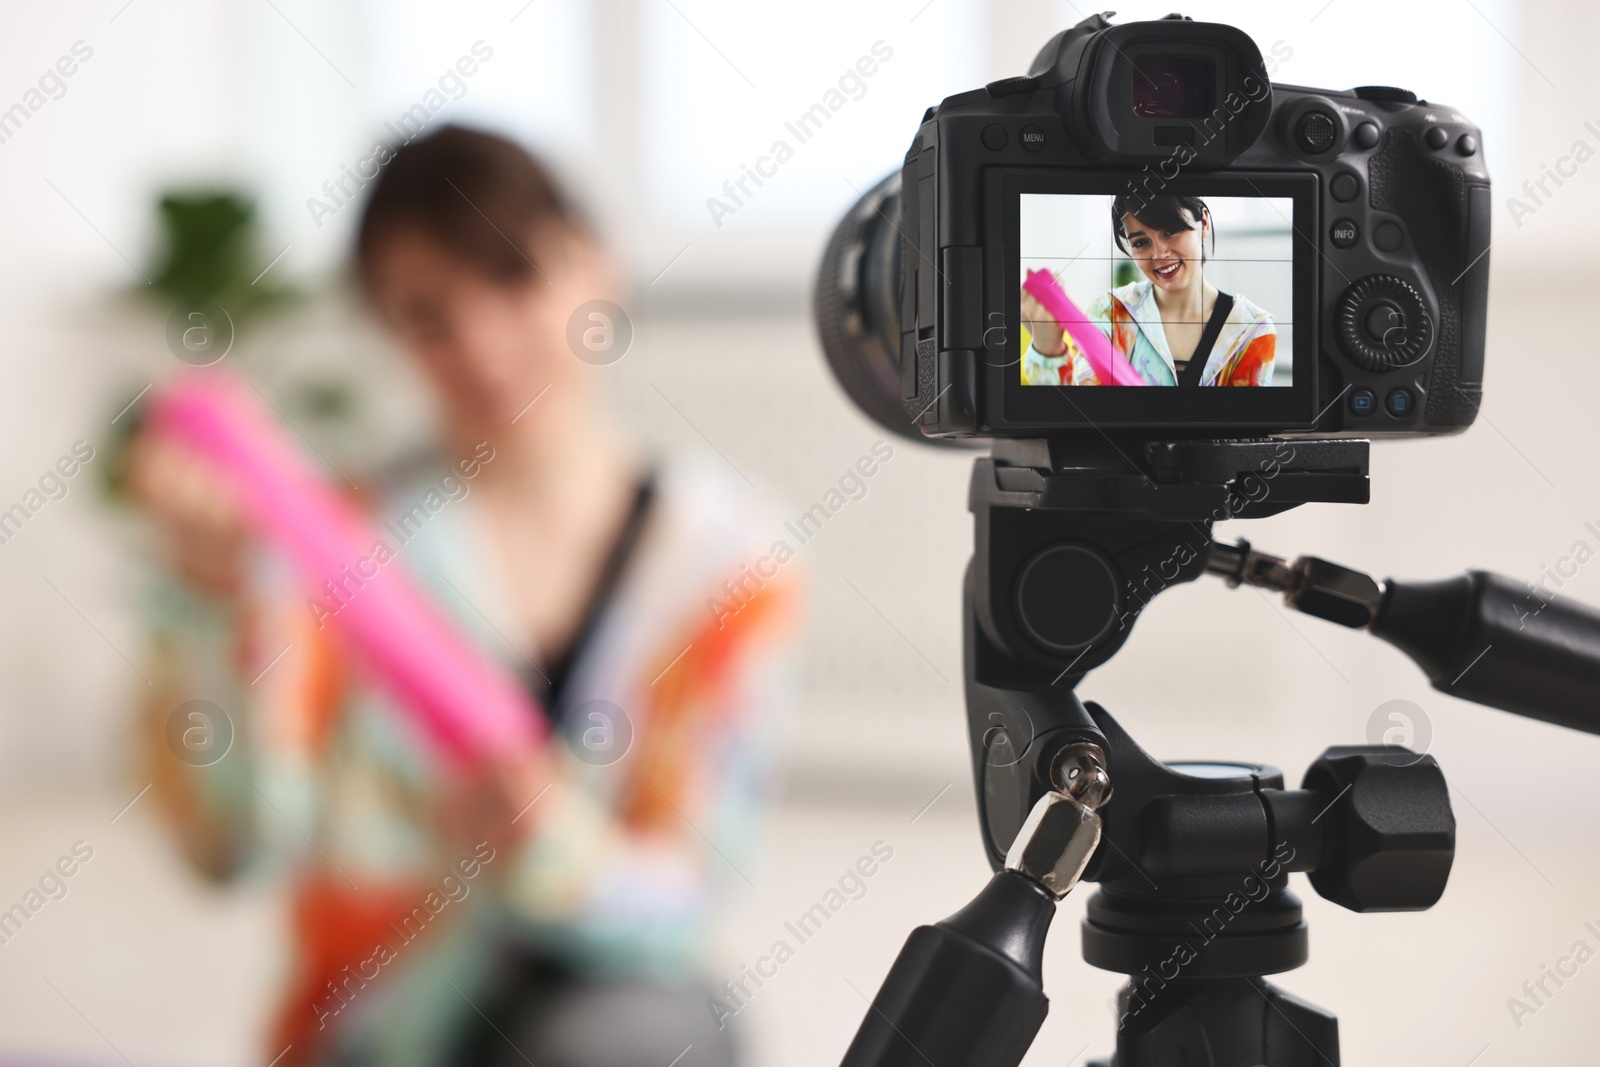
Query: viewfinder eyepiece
(1172, 86)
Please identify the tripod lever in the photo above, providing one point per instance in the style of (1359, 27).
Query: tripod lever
(1478, 636)
(969, 990)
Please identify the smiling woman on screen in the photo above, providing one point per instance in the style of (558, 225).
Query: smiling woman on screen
(1173, 325)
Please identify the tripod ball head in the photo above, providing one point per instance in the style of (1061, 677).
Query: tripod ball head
(1391, 836)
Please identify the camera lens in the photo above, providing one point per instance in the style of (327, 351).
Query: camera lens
(1172, 86)
(856, 307)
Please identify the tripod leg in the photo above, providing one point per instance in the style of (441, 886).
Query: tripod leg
(1222, 1022)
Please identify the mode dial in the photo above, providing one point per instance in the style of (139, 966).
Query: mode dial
(1388, 94)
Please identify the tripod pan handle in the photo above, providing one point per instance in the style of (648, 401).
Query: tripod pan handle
(1487, 639)
(965, 992)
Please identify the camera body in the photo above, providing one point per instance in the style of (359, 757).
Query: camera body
(1359, 222)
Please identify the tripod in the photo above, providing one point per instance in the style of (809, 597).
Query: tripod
(1192, 860)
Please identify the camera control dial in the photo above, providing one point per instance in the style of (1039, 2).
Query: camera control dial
(1383, 324)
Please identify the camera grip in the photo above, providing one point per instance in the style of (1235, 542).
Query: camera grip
(1447, 213)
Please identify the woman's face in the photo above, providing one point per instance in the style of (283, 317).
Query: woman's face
(488, 345)
(1169, 258)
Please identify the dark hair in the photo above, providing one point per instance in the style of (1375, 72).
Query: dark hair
(1169, 213)
(478, 196)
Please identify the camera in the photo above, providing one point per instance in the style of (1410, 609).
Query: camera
(1145, 208)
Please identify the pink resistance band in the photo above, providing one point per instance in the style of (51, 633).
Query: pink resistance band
(464, 702)
(1109, 365)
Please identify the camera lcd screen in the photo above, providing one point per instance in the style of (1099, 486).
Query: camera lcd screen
(1184, 291)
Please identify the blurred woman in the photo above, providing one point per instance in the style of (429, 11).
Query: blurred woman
(437, 920)
(1174, 326)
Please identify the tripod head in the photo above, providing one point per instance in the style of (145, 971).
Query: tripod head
(1069, 549)
(1192, 860)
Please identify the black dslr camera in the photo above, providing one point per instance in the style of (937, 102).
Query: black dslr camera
(1145, 208)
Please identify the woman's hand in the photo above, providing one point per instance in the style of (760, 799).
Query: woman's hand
(197, 512)
(502, 799)
(1048, 336)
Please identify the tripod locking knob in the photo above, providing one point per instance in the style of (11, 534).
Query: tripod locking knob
(1390, 834)
(1060, 834)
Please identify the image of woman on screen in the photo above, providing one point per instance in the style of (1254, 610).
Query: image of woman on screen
(1173, 325)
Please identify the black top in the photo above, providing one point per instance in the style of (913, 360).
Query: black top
(551, 682)
(1190, 375)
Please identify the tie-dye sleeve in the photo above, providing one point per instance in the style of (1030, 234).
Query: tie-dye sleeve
(1255, 354)
(626, 860)
(1101, 314)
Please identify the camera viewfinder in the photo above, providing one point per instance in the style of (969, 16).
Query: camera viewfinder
(1173, 86)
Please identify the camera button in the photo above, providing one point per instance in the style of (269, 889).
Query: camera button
(1345, 187)
(1316, 132)
(1388, 236)
(1366, 135)
(1437, 137)
(1466, 144)
(1383, 318)
(1032, 138)
(1398, 403)
(994, 137)
(1363, 402)
(1344, 233)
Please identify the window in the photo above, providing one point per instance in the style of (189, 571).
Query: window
(763, 117)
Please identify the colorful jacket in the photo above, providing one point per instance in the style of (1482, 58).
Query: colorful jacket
(327, 783)
(1242, 355)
